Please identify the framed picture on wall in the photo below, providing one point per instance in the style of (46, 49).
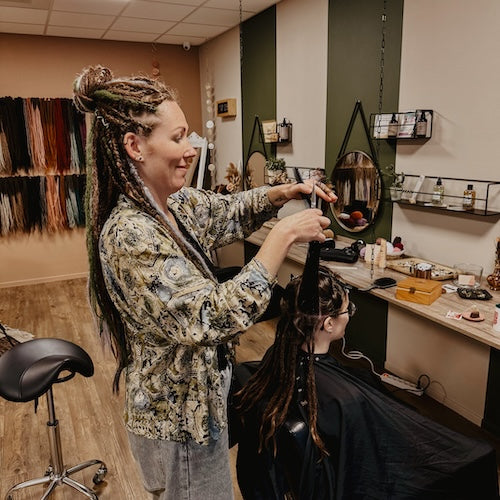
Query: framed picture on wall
(269, 130)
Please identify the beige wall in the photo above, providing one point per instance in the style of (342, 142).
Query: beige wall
(219, 67)
(456, 365)
(301, 64)
(301, 58)
(453, 69)
(36, 66)
(449, 64)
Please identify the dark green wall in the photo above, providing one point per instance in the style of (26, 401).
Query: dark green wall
(354, 50)
(258, 74)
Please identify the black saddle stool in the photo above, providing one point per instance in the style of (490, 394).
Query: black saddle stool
(29, 370)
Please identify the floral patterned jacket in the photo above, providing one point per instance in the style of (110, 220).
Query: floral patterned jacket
(174, 316)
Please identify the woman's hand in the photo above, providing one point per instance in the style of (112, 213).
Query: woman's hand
(280, 194)
(302, 227)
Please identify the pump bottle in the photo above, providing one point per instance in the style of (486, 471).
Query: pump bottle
(438, 192)
(421, 127)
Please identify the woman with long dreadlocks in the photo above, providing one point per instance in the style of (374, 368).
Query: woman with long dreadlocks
(153, 287)
(361, 442)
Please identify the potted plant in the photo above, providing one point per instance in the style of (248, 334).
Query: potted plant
(396, 188)
(276, 170)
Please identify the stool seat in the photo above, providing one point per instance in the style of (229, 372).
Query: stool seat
(29, 370)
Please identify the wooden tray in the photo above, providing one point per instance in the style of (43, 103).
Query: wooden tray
(407, 265)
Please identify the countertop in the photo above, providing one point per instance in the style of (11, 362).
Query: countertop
(359, 276)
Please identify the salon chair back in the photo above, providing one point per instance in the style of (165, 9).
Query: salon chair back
(292, 442)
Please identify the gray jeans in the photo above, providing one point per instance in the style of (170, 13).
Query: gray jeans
(185, 471)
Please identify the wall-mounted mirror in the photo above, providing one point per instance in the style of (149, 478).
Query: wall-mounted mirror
(357, 182)
(254, 170)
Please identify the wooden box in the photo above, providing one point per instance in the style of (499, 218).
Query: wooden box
(418, 290)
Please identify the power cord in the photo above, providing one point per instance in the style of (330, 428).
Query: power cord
(419, 382)
(419, 388)
(357, 355)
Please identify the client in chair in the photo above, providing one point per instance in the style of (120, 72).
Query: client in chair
(361, 442)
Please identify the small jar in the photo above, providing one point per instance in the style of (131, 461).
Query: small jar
(423, 270)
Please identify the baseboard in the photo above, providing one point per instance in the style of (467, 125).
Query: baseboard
(44, 279)
(437, 394)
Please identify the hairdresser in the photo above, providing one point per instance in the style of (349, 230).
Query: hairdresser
(152, 285)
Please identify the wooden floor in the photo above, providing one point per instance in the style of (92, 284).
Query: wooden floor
(90, 415)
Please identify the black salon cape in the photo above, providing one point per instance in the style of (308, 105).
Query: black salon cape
(380, 449)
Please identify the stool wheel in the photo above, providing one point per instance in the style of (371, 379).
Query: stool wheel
(99, 475)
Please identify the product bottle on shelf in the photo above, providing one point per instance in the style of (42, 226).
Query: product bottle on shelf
(469, 198)
(438, 192)
(392, 131)
(494, 278)
(421, 127)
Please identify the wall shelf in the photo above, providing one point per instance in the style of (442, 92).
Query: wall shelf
(410, 125)
(481, 213)
(486, 190)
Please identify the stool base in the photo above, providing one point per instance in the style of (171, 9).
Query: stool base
(62, 479)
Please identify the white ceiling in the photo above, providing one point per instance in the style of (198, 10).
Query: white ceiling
(152, 21)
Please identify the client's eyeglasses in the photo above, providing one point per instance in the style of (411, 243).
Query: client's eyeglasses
(351, 309)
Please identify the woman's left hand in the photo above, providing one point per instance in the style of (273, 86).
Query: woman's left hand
(280, 194)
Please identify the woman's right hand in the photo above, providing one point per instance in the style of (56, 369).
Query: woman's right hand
(302, 227)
